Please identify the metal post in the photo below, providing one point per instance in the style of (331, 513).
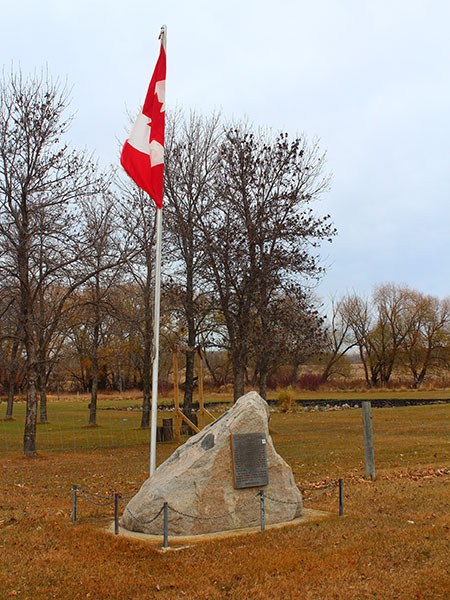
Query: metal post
(368, 440)
(155, 366)
(74, 503)
(261, 504)
(116, 513)
(166, 526)
(341, 497)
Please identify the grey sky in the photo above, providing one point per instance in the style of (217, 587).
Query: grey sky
(370, 79)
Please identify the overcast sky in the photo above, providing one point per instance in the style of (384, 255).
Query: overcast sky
(369, 78)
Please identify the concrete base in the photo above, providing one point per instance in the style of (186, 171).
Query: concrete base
(178, 542)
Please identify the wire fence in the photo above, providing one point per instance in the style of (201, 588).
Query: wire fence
(316, 444)
(260, 496)
(68, 431)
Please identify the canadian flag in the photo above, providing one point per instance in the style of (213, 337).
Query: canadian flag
(143, 152)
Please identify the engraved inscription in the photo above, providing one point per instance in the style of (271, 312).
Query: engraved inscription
(249, 460)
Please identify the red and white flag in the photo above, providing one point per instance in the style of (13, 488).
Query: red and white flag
(143, 153)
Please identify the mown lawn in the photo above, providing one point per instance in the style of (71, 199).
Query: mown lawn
(393, 541)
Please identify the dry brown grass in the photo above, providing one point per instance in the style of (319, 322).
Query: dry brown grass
(393, 541)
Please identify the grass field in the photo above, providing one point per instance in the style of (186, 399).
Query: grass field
(393, 541)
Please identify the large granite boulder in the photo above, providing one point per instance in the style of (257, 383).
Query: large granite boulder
(197, 480)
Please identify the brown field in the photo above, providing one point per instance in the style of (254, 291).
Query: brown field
(393, 541)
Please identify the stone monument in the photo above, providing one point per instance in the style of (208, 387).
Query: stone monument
(218, 473)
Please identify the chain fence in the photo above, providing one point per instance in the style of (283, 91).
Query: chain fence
(87, 495)
(139, 520)
(117, 498)
(214, 517)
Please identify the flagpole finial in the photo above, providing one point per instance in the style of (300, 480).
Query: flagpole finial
(163, 35)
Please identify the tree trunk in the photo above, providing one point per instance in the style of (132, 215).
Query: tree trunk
(26, 309)
(41, 347)
(12, 380)
(147, 355)
(189, 308)
(29, 438)
(189, 384)
(43, 404)
(364, 363)
(95, 345)
(145, 418)
(418, 379)
(217, 382)
(11, 393)
(42, 377)
(263, 369)
(239, 379)
(94, 389)
(119, 379)
(94, 385)
(262, 380)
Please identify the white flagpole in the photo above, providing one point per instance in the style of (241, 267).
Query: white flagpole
(155, 366)
(155, 369)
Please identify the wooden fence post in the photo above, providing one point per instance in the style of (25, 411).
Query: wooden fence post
(200, 389)
(176, 399)
(368, 440)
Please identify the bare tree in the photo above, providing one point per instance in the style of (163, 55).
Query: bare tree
(339, 339)
(397, 327)
(190, 166)
(289, 332)
(260, 232)
(39, 175)
(11, 341)
(357, 312)
(428, 338)
(109, 253)
(137, 222)
(395, 311)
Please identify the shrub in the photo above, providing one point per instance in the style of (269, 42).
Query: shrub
(310, 381)
(165, 388)
(285, 399)
(282, 378)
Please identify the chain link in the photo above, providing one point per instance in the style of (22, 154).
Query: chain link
(324, 490)
(215, 517)
(315, 489)
(266, 497)
(84, 494)
(92, 493)
(139, 520)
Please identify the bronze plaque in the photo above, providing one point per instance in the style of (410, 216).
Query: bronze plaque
(249, 454)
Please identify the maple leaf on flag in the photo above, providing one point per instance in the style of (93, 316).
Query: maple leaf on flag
(143, 152)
